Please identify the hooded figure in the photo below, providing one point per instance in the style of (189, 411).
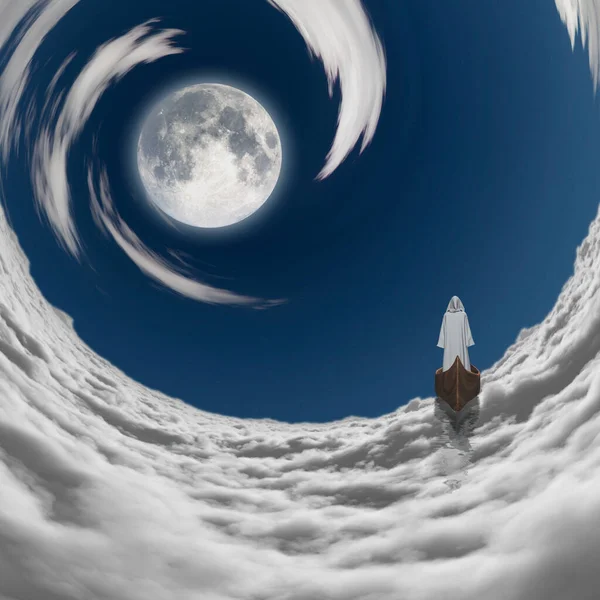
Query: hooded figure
(455, 335)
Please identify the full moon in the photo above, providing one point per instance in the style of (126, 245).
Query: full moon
(209, 155)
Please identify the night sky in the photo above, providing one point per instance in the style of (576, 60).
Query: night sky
(481, 181)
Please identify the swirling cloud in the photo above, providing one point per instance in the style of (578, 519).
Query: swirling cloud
(111, 490)
(151, 263)
(49, 170)
(339, 33)
(17, 72)
(65, 119)
(583, 16)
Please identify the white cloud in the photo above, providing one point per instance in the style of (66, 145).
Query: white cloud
(49, 170)
(583, 16)
(340, 34)
(112, 490)
(151, 263)
(16, 74)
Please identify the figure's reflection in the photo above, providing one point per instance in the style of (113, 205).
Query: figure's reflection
(454, 443)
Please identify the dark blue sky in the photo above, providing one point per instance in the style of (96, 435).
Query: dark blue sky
(481, 182)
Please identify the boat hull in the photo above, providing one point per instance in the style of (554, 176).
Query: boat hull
(457, 386)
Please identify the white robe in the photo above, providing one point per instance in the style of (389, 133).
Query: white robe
(455, 335)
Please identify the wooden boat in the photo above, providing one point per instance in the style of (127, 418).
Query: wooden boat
(457, 386)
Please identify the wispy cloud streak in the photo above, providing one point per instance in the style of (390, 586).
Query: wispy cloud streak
(342, 36)
(583, 17)
(49, 169)
(151, 263)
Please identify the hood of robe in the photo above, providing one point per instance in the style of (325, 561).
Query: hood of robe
(455, 305)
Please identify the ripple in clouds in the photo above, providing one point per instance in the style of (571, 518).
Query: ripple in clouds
(112, 490)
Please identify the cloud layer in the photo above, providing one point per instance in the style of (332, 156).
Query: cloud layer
(112, 490)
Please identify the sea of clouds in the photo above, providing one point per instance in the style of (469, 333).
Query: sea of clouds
(112, 491)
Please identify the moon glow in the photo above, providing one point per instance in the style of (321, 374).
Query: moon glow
(209, 155)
